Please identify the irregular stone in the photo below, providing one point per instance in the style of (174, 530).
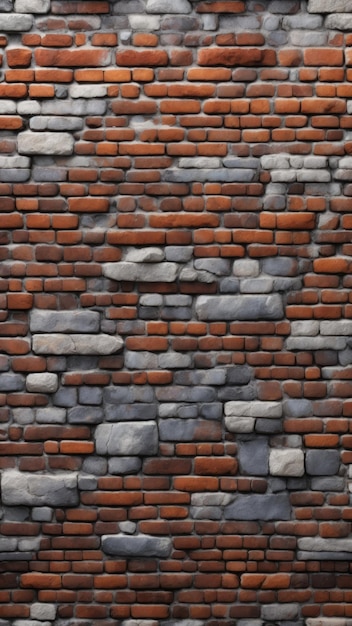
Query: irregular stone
(256, 285)
(142, 272)
(200, 162)
(15, 22)
(168, 6)
(141, 360)
(178, 254)
(275, 162)
(129, 412)
(57, 343)
(42, 514)
(65, 397)
(298, 407)
(85, 415)
(136, 545)
(30, 142)
(64, 321)
(246, 268)
(238, 424)
(219, 267)
(259, 507)
(239, 307)
(176, 393)
(127, 438)
(206, 512)
(320, 544)
(287, 462)
(95, 465)
(11, 382)
(43, 611)
(151, 299)
(277, 612)
(124, 465)
(329, 6)
(337, 327)
(42, 383)
(144, 22)
(316, 343)
(23, 416)
(302, 21)
(87, 482)
(254, 409)
(50, 122)
(306, 328)
(253, 456)
(318, 464)
(32, 6)
(25, 489)
(280, 266)
(145, 255)
(201, 377)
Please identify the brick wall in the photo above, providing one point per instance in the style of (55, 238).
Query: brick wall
(175, 312)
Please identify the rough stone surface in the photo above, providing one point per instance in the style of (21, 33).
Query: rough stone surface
(64, 321)
(136, 546)
(259, 507)
(45, 143)
(329, 6)
(42, 383)
(19, 488)
(167, 6)
(239, 307)
(146, 272)
(127, 438)
(32, 6)
(60, 344)
(286, 462)
(15, 23)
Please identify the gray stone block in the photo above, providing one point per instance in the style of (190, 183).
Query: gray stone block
(79, 107)
(87, 482)
(32, 143)
(280, 266)
(211, 411)
(286, 462)
(85, 415)
(253, 456)
(219, 267)
(326, 464)
(50, 122)
(201, 377)
(64, 321)
(239, 307)
(141, 272)
(127, 438)
(176, 313)
(320, 544)
(51, 415)
(95, 465)
(125, 465)
(176, 393)
(238, 393)
(43, 611)
(136, 545)
(145, 255)
(15, 22)
(42, 383)
(65, 397)
(14, 175)
(32, 6)
(239, 424)
(90, 395)
(130, 411)
(61, 344)
(38, 489)
(329, 6)
(278, 612)
(42, 514)
(229, 285)
(328, 483)
(141, 360)
(11, 382)
(168, 6)
(259, 507)
(179, 254)
(297, 407)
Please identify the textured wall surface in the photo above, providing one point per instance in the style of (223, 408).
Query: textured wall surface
(175, 313)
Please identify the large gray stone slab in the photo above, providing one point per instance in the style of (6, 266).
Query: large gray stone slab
(326, 464)
(168, 6)
(141, 272)
(26, 489)
(127, 439)
(45, 143)
(136, 545)
(239, 307)
(259, 507)
(329, 6)
(32, 6)
(61, 344)
(15, 22)
(319, 544)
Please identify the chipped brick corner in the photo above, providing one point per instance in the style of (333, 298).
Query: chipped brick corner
(175, 313)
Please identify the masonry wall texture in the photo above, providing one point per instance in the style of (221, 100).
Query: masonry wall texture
(175, 313)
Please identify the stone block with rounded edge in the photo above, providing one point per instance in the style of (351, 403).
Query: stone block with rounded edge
(57, 343)
(15, 22)
(259, 507)
(45, 143)
(25, 489)
(44, 382)
(64, 321)
(239, 307)
(141, 272)
(32, 6)
(168, 6)
(287, 462)
(136, 545)
(127, 439)
(329, 6)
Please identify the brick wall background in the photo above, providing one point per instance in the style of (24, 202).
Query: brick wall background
(175, 312)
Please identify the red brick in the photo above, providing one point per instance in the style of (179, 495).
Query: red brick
(231, 57)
